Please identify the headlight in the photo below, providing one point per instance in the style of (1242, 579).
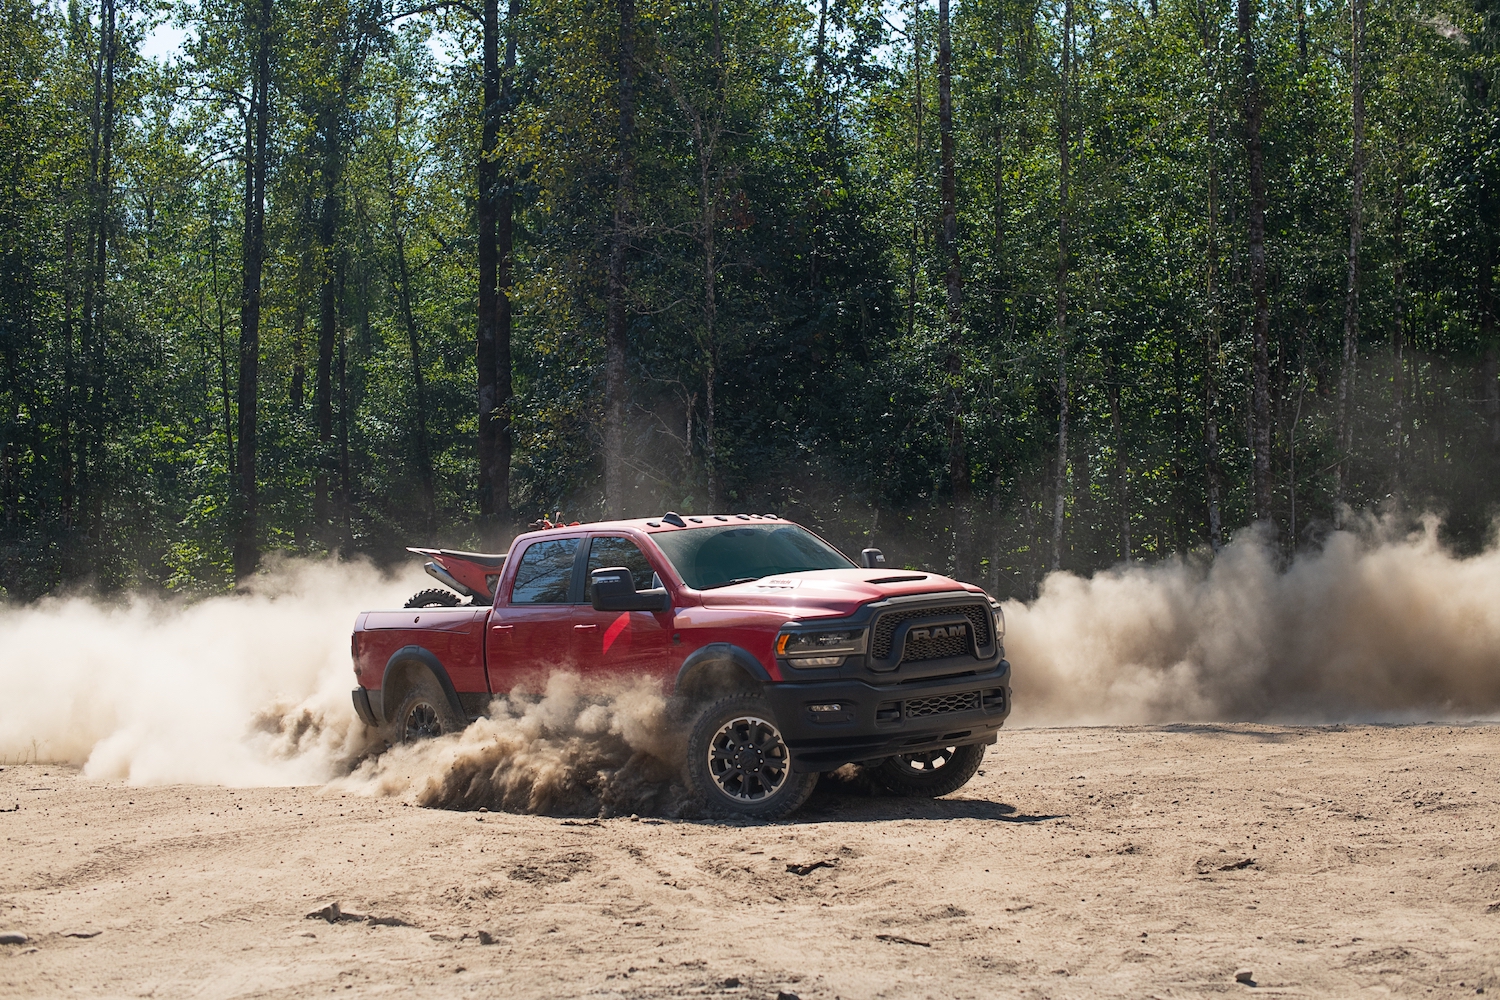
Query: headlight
(820, 649)
(999, 623)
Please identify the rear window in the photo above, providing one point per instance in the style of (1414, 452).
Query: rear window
(545, 573)
(724, 554)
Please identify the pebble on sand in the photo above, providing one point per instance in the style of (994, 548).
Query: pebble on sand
(1245, 976)
(13, 937)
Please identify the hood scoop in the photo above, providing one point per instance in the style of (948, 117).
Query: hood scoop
(898, 579)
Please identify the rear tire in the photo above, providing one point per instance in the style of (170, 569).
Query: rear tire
(434, 598)
(424, 713)
(739, 765)
(930, 773)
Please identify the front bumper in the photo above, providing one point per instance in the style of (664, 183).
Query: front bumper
(875, 721)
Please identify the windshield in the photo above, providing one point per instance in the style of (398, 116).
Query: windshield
(721, 555)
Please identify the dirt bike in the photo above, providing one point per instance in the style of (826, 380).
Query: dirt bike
(469, 576)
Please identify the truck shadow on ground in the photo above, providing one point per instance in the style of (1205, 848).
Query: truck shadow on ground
(845, 798)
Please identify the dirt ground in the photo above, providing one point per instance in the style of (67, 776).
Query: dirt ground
(1132, 862)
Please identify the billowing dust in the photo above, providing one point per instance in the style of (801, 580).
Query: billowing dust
(244, 689)
(578, 749)
(1368, 629)
(253, 689)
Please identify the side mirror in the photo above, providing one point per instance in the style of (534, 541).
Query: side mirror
(613, 589)
(872, 558)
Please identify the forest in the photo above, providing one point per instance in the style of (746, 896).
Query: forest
(1000, 286)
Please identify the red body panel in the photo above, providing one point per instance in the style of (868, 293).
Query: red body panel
(513, 647)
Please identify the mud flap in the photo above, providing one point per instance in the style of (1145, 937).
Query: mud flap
(362, 708)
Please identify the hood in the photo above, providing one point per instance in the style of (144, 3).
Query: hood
(830, 592)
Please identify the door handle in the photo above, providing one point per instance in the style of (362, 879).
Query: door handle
(580, 627)
(497, 628)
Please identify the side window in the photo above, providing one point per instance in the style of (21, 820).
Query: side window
(613, 550)
(545, 575)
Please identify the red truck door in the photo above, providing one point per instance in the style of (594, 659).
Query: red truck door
(531, 633)
(621, 641)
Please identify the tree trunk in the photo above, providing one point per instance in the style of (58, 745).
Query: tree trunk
(66, 513)
(486, 212)
(1001, 285)
(824, 138)
(614, 327)
(345, 535)
(213, 251)
(1260, 403)
(91, 342)
(420, 444)
(916, 171)
(1060, 472)
(1211, 359)
(708, 223)
(1398, 335)
(958, 461)
(1121, 470)
(504, 435)
(328, 318)
(1351, 288)
(706, 141)
(257, 130)
(1489, 365)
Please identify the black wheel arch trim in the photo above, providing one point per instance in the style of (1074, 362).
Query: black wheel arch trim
(716, 653)
(417, 654)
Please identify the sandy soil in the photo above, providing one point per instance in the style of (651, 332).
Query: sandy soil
(1083, 862)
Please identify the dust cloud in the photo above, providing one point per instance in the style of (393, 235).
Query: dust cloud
(243, 689)
(1372, 628)
(253, 689)
(578, 749)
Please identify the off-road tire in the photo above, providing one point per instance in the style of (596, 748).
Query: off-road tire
(424, 713)
(738, 764)
(931, 773)
(434, 598)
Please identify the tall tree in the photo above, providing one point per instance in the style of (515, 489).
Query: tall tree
(502, 419)
(706, 115)
(948, 252)
(615, 332)
(1064, 151)
(486, 354)
(258, 24)
(1213, 472)
(93, 349)
(396, 203)
(341, 36)
(1350, 354)
(1251, 120)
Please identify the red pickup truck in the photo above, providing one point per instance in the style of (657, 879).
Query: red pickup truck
(789, 659)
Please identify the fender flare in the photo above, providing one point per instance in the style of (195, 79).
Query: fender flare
(434, 666)
(721, 655)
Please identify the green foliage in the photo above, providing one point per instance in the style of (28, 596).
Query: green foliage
(787, 347)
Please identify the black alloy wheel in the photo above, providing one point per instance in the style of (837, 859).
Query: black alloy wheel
(747, 759)
(425, 712)
(739, 764)
(929, 773)
(421, 723)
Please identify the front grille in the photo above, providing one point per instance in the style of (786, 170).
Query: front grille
(979, 617)
(935, 649)
(921, 708)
